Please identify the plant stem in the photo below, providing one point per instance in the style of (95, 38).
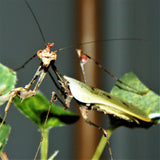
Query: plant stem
(44, 145)
(102, 144)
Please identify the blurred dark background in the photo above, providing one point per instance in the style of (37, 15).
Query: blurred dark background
(20, 38)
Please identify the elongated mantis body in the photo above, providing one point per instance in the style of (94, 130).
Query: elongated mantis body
(105, 102)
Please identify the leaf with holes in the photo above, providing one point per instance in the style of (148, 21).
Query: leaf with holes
(36, 108)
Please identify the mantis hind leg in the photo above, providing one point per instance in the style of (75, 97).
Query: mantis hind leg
(84, 112)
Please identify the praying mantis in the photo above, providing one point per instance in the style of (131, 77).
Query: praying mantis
(66, 74)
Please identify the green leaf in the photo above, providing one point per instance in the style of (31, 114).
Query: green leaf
(7, 80)
(148, 102)
(4, 134)
(36, 108)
